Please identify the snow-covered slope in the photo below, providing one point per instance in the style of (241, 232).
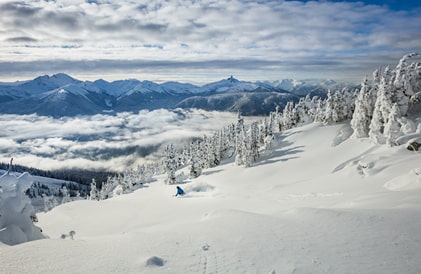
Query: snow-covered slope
(317, 202)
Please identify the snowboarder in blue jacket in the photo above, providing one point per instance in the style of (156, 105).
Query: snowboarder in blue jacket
(180, 191)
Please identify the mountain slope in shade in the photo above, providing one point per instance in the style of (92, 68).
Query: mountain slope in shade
(249, 103)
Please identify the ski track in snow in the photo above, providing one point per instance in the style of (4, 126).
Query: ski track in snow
(208, 260)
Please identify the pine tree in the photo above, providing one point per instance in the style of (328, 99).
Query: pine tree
(331, 115)
(65, 194)
(404, 82)
(215, 145)
(303, 111)
(312, 109)
(93, 194)
(170, 164)
(392, 129)
(265, 132)
(239, 141)
(289, 116)
(246, 149)
(278, 119)
(195, 168)
(253, 141)
(320, 111)
(382, 108)
(361, 118)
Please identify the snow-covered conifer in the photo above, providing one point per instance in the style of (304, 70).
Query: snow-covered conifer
(320, 110)
(289, 116)
(277, 119)
(302, 109)
(239, 141)
(382, 108)
(403, 82)
(265, 134)
(253, 141)
(240, 151)
(247, 157)
(65, 195)
(170, 164)
(312, 107)
(195, 167)
(16, 212)
(331, 114)
(93, 195)
(215, 146)
(392, 127)
(361, 118)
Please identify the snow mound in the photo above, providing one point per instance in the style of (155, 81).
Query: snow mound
(409, 181)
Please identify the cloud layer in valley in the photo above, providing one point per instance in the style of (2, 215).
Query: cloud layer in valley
(198, 40)
(102, 142)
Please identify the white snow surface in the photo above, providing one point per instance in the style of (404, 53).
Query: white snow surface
(312, 204)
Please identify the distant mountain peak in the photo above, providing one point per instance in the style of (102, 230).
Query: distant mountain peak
(232, 79)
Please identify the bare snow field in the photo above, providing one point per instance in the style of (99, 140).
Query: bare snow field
(317, 202)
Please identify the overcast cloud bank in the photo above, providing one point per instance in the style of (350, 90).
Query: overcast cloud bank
(204, 39)
(102, 141)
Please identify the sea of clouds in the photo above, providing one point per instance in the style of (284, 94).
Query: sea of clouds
(102, 142)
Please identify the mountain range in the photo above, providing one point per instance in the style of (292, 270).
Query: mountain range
(62, 95)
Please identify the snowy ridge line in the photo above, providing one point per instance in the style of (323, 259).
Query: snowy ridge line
(61, 95)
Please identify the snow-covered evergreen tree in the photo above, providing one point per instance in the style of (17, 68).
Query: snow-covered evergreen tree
(227, 140)
(302, 109)
(265, 132)
(93, 194)
(195, 167)
(331, 114)
(361, 118)
(320, 111)
(312, 108)
(392, 129)
(404, 82)
(171, 163)
(16, 212)
(277, 119)
(65, 195)
(239, 141)
(289, 116)
(253, 141)
(247, 157)
(382, 108)
(50, 202)
(215, 149)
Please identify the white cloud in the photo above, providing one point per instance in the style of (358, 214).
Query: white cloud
(102, 141)
(182, 33)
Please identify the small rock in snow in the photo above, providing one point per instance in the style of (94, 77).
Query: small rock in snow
(155, 261)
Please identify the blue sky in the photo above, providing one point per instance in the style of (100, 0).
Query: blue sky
(204, 40)
(392, 4)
